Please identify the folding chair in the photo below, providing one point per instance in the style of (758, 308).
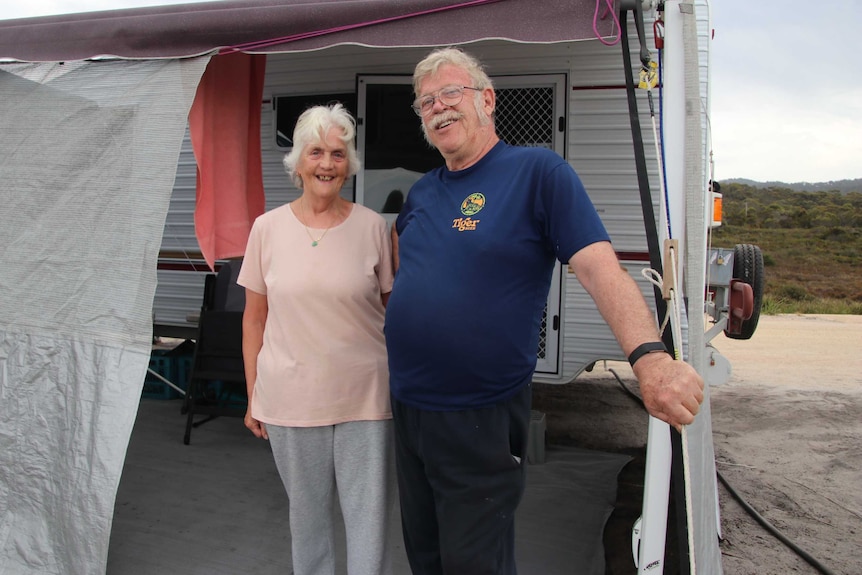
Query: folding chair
(217, 382)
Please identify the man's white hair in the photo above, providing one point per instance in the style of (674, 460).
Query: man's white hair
(454, 56)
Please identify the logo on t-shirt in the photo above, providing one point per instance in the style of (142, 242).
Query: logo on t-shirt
(471, 205)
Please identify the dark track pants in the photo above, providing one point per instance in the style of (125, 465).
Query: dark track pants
(461, 476)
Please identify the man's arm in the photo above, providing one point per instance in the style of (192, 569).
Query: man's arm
(672, 390)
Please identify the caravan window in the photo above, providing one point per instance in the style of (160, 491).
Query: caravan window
(289, 108)
(394, 152)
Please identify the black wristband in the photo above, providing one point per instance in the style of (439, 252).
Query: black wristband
(645, 348)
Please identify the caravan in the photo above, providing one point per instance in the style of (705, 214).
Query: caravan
(632, 121)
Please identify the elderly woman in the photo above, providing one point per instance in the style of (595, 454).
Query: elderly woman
(317, 273)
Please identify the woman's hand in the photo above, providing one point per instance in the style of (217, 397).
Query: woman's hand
(256, 427)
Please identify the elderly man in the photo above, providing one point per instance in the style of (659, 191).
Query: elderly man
(476, 244)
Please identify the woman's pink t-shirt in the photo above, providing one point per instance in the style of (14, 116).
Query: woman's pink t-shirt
(323, 359)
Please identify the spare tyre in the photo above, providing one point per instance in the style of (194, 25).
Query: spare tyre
(748, 268)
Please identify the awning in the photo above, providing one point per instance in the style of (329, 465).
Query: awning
(294, 25)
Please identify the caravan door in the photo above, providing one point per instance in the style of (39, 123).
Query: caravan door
(530, 112)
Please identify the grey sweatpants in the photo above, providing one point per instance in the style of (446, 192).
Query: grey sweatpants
(353, 461)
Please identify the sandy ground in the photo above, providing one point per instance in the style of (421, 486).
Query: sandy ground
(787, 428)
(788, 438)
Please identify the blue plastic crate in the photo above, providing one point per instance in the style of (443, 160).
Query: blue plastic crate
(183, 370)
(154, 388)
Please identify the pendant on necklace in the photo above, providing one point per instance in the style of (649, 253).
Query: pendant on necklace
(314, 244)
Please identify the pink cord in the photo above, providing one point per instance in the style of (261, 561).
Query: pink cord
(609, 8)
(315, 33)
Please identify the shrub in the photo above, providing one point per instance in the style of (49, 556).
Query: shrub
(792, 292)
(773, 305)
(834, 234)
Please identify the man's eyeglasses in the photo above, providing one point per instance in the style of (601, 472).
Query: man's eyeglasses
(448, 96)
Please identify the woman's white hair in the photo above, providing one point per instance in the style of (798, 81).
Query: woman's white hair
(454, 56)
(312, 127)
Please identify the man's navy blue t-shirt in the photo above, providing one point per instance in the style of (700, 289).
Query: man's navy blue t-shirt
(477, 249)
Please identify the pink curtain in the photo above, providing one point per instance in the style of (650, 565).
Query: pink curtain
(225, 131)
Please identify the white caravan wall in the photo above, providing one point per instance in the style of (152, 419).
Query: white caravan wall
(598, 146)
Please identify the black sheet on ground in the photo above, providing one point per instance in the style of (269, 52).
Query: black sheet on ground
(217, 506)
(561, 520)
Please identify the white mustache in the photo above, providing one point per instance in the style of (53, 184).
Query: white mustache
(447, 116)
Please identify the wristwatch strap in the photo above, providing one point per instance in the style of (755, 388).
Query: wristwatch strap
(645, 348)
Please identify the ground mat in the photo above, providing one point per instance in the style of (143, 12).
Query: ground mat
(568, 500)
(217, 506)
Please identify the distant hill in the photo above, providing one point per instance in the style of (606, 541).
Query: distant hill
(843, 186)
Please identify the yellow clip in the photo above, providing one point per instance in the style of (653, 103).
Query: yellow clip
(648, 76)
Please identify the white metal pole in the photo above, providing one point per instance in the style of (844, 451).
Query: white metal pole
(659, 454)
(653, 527)
(673, 119)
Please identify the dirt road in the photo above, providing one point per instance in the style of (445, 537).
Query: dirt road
(805, 352)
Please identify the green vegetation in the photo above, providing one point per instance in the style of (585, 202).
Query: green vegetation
(811, 244)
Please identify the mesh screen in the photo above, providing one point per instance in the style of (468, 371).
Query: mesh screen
(525, 116)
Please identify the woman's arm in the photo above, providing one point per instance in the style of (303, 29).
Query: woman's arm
(253, 322)
(394, 248)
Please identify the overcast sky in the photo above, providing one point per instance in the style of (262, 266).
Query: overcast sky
(786, 84)
(787, 90)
